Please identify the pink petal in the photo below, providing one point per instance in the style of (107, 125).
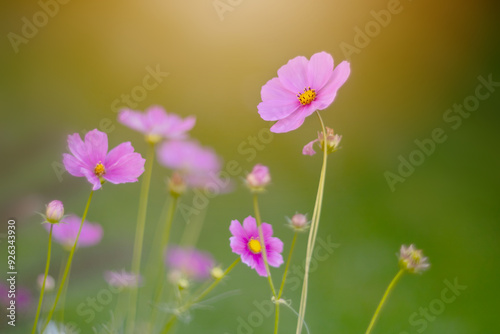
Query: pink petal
(293, 75)
(117, 153)
(92, 178)
(274, 259)
(292, 122)
(250, 226)
(319, 70)
(267, 231)
(77, 147)
(309, 149)
(155, 115)
(179, 129)
(273, 110)
(127, 169)
(274, 245)
(133, 119)
(274, 90)
(97, 146)
(260, 267)
(327, 94)
(249, 259)
(237, 230)
(237, 245)
(73, 165)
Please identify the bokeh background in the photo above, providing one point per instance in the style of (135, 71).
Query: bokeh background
(65, 77)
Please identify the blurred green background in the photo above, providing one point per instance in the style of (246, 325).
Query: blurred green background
(405, 75)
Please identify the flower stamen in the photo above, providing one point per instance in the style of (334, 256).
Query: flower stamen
(255, 246)
(99, 169)
(307, 97)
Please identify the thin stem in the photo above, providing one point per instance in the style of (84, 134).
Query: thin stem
(314, 230)
(202, 295)
(261, 236)
(139, 235)
(287, 265)
(42, 290)
(384, 298)
(276, 317)
(68, 264)
(165, 236)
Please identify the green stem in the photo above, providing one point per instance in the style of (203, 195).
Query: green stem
(139, 236)
(384, 298)
(276, 317)
(68, 264)
(261, 236)
(314, 230)
(42, 290)
(202, 295)
(287, 265)
(165, 236)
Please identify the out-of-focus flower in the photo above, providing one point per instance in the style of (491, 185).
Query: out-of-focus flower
(90, 158)
(54, 212)
(176, 184)
(247, 243)
(259, 178)
(332, 142)
(188, 263)
(49, 282)
(217, 273)
(412, 259)
(302, 87)
(122, 279)
(298, 222)
(66, 231)
(23, 296)
(156, 124)
(197, 165)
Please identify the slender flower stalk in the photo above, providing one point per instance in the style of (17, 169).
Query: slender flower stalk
(195, 300)
(261, 236)
(139, 235)
(42, 290)
(68, 264)
(313, 232)
(384, 298)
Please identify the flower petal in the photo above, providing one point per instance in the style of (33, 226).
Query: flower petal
(238, 246)
(274, 90)
(97, 146)
(319, 69)
(126, 169)
(77, 147)
(273, 110)
(133, 119)
(292, 122)
(250, 226)
(309, 148)
(267, 231)
(237, 230)
(73, 165)
(92, 178)
(260, 267)
(327, 94)
(117, 153)
(293, 75)
(274, 259)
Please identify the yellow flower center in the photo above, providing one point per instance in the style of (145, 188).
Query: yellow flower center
(99, 169)
(307, 97)
(254, 246)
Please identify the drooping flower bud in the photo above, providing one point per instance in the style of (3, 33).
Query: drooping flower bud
(54, 212)
(413, 260)
(258, 179)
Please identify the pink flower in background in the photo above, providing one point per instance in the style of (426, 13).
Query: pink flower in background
(259, 178)
(302, 87)
(23, 297)
(190, 263)
(90, 158)
(65, 232)
(246, 242)
(197, 165)
(156, 123)
(122, 279)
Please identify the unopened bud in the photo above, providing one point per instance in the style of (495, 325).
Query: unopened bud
(259, 178)
(54, 212)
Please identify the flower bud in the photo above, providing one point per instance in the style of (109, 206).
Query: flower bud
(298, 222)
(217, 273)
(332, 140)
(412, 260)
(54, 212)
(259, 178)
(183, 284)
(49, 282)
(176, 185)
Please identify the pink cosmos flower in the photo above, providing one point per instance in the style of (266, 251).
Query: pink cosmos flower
(190, 263)
(246, 242)
(90, 158)
(259, 178)
(122, 279)
(197, 165)
(65, 232)
(302, 87)
(156, 123)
